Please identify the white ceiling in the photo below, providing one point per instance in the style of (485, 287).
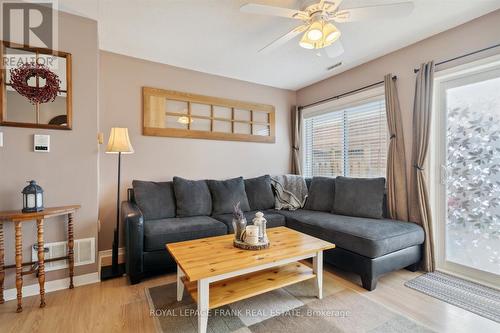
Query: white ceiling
(212, 36)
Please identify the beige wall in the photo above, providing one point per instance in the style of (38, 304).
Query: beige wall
(161, 158)
(471, 36)
(69, 173)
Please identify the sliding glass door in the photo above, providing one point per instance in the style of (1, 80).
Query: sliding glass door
(466, 164)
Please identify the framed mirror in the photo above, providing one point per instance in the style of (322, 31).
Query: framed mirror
(36, 89)
(186, 115)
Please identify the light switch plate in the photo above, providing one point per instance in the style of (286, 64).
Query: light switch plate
(1, 139)
(41, 143)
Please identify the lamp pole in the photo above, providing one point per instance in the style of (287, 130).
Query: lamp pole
(117, 228)
(119, 142)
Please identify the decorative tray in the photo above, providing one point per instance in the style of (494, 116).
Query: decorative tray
(254, 247)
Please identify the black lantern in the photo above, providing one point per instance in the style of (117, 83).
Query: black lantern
(32, 198)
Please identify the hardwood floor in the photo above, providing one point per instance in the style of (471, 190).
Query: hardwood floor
(115, 306)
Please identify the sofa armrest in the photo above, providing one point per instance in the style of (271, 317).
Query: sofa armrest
(133, 221)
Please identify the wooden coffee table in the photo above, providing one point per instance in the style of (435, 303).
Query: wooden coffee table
(215, 273)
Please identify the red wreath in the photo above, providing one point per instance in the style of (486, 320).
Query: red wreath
(36, 95)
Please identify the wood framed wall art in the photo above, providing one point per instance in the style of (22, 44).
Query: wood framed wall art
(184, 115)
(35, 87)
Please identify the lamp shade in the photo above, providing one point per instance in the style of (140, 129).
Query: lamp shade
(119, 141)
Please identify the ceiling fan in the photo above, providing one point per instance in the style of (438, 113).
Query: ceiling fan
(317, 16)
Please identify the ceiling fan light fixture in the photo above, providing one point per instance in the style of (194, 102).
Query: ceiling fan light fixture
(331, 33)
(306, 43)
(315, 31)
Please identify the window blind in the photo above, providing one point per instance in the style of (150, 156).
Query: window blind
(351, 141)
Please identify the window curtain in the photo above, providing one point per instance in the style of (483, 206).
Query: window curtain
(397, 191)
(296, 137)
(419, 198)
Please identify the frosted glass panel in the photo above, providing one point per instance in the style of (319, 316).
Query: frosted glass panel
(222, 126)
(242, 115)
(222, 112)
(473, 170)
(176, 106)
(242, 128)
(172, 122)
(200, 110)
(260, 130)
(262, 117)
(200, 124)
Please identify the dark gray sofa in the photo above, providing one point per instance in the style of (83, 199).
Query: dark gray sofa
(369, 247)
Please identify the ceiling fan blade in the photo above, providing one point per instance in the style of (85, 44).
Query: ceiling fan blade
(374, 12)
(283, 39)
(254, 8)
(332, 6)
(335, 50)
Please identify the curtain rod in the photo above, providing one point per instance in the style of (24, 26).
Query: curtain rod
(416, 70)
(344, 94)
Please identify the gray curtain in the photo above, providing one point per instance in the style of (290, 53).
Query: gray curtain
(419, 198)
(296, 137)
(397, 191)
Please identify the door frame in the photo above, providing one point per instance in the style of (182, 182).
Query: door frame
(437, 173)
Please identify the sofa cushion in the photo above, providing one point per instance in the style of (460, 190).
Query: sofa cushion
(362, 197)
(321, 194)
(226, 194)
(368, 237)
(155, 200)
(157, 233)
(259, 193)
(274, 219)
(192, 197)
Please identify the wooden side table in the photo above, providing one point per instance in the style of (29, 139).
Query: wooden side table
(17, 217)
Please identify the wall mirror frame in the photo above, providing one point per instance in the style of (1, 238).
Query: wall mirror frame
(185, 115)
(62, 118)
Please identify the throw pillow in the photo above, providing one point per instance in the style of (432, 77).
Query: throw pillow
(192, 197)
(362, 197)
(155, 200)
(321, 194)
(259, 193)
(226, 194)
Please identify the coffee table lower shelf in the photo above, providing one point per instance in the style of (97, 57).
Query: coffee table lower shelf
(252, 284)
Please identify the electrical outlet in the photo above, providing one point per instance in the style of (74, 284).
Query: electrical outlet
(1, 139)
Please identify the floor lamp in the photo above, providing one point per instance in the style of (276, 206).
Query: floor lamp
(119, 143)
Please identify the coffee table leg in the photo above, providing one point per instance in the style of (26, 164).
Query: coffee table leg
(318, 270)
(203, 297)
(180, 284)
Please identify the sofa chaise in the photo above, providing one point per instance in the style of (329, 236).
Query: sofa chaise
(349, 212)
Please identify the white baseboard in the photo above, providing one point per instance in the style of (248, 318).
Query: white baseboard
(34, 289)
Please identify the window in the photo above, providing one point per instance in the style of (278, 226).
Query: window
(348, 137)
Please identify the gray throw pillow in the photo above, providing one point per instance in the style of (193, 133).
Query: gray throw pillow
(362, 197)
(192, 197)
(155, 200)
(226, 194)
(321, 194)
(260, 193)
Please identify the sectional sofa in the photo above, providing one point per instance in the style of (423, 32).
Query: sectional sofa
(349, 212)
